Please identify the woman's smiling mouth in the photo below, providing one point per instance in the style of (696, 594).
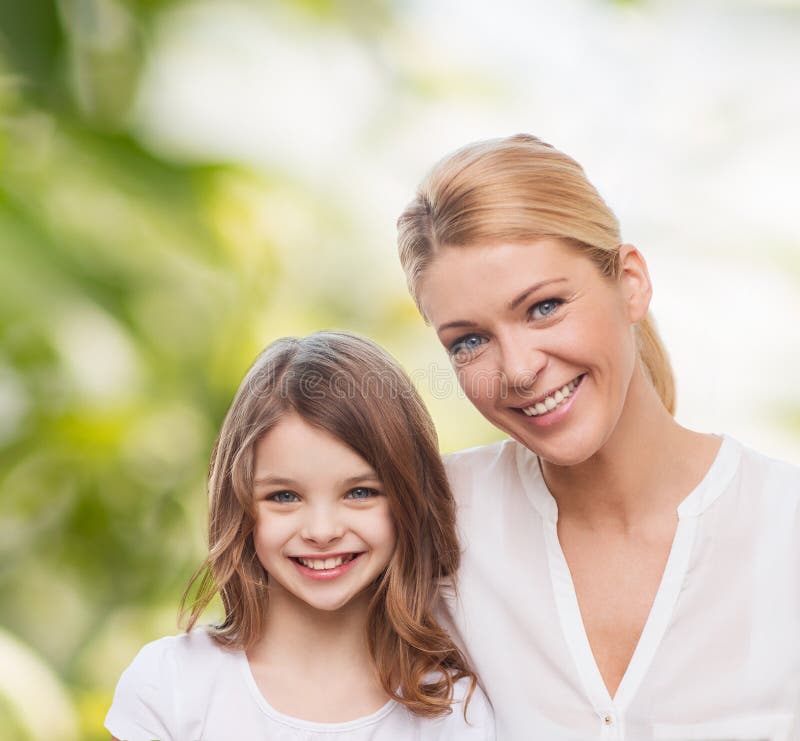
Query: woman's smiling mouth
(553, 399)
(558, 399)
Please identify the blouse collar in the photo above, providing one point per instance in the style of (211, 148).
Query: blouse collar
(718, 476)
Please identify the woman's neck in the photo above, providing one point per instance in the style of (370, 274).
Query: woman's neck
(646, 468)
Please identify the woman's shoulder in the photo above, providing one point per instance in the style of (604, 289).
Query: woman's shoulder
(753, 494)
(505, 466)
(471, 715)
(769, 477)
(767, 461)
(758, 470)
(485, 461)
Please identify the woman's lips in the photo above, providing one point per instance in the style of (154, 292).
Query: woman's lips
(553, 409)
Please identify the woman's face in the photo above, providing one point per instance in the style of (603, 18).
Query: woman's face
(543, 343)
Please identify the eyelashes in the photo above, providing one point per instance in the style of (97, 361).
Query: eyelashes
(465, 345)
(282, 497)
(545, 309)
(362, 492)
(359, 493)
(464, 348)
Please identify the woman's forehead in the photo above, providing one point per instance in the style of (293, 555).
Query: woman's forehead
(459, 277)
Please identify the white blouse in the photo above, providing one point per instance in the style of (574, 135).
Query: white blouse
(719, 657)
(188, 688)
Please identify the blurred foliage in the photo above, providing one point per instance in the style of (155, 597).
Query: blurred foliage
(134, 293)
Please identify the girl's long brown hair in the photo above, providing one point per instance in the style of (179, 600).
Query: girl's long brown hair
(351, 388)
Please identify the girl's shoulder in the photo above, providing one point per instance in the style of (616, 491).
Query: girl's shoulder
(179, 655)
(166, 674)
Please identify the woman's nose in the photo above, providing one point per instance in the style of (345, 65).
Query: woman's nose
(521, 364)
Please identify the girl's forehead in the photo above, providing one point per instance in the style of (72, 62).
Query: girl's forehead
(294, 447)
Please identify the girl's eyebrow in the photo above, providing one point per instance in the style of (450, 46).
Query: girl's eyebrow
(513, 304)
(274, 480)
(283, 481)
(366, 476)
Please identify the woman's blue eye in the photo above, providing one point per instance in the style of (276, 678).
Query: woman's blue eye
(283, 497)
(544, 308)
(466, 345)
(362, 492)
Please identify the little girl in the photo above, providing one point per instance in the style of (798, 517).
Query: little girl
(331, 527)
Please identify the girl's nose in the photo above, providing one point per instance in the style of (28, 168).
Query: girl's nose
(322, 525)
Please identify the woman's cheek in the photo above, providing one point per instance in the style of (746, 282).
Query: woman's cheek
(481, 383)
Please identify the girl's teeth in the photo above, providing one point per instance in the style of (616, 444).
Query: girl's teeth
(318, 564)
(551, 402)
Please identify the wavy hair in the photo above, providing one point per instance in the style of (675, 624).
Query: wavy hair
(519, 189)
(351, 388)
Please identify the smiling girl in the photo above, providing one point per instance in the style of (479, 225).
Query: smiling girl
(331, 525)
(623, 577)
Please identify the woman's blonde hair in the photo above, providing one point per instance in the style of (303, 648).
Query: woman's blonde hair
(519, 189)
(351, 388)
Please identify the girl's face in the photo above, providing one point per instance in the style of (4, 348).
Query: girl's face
(543, 343)
(323, 530)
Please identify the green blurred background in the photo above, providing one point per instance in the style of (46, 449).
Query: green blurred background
(182, 182)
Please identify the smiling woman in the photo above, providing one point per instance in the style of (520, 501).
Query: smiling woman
(596, 595)
(579, 319)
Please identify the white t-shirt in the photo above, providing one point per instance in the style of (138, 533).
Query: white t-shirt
(719, 657)
(186, 687)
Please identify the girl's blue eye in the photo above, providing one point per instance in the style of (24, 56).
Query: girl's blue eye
(362, 492)
(463, 347)
(544, 309)
(283, 497)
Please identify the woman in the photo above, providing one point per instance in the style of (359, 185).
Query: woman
(623, 577)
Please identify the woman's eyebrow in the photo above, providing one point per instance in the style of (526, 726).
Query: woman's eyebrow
(457, 323)
(515, 302)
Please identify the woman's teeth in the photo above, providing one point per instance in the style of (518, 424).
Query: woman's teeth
(318, 564)
(554, 400)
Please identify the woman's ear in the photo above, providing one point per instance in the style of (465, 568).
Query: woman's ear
(635, 282)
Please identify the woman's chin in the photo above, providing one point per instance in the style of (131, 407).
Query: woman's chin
(570, 448)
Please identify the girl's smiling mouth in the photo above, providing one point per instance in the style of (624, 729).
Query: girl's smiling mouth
(330, 567)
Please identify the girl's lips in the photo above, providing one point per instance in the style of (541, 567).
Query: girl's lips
(556, 415)
(326, 574)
